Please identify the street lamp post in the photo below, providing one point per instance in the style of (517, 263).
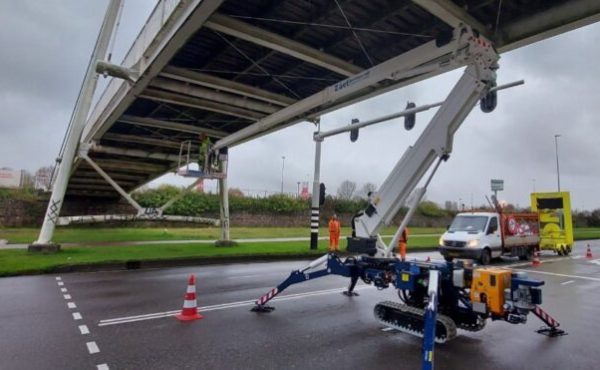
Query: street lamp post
(556, 136)
(282, 167)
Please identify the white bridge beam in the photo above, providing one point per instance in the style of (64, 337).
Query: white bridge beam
(196, 103)
(559, 19)
(213, 95)
(173, 126)
(221, 84)
(133, 153)
(452, 14)
(244, 31)
(136, 139)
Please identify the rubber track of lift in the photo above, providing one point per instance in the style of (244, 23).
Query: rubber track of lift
(473, 327)
(408, 314)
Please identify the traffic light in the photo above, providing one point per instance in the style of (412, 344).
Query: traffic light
(321, 194)
(410, 119)
(354, 132)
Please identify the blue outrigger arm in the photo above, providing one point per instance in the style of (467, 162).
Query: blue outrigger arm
(430, 319)
(334, 267)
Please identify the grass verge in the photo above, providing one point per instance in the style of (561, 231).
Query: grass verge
(19, 261)
(111, 235)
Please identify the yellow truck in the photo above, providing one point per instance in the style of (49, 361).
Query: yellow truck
(556, 226)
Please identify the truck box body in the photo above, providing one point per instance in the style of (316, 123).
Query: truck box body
(520, 229)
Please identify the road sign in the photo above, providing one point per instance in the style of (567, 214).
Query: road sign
(497, 185)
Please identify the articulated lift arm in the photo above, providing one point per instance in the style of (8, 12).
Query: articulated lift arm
(436, 140)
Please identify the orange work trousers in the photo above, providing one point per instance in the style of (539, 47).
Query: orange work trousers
(402, 250)
(334, 241)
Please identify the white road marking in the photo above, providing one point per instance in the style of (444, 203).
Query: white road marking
(84, 329)
(520, 264)
(567, 282)
(58, 278)
(92, 347)
(250, 276)
(557, 274)
(387, 329)
(67, 296)
(595, 262)
(577, 257)
(76, 316)
(158, 315)
(71, 305)
(63, 290)
(102, 367)
(60, 283)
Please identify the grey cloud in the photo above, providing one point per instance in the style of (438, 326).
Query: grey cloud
(50, 43)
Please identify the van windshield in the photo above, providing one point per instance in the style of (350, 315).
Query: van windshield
(468, 223)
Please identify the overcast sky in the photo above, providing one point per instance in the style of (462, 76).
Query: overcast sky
(46, 46)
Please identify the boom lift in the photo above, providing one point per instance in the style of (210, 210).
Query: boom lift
(436, 297)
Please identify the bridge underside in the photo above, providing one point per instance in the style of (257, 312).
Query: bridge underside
(238, 69)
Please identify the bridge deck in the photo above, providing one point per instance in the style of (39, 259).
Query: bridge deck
(224, 68)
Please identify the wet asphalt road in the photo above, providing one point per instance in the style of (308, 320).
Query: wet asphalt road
(315, 328)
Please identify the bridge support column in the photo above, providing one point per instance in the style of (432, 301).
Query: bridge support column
(316, 199)
(224, 201)
(44, 242)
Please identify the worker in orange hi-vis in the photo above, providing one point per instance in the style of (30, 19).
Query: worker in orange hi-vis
(334, 233)
(402, 243)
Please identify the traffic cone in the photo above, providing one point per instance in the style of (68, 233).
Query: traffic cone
(536, 259)
(588, 253)
(190, 305)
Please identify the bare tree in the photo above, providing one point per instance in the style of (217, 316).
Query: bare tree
(367, 188)
(43, 177)
(27, 181)
(346, 189)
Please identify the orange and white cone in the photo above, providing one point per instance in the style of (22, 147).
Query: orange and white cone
(190, 305)
(588, 253)
(536, 259)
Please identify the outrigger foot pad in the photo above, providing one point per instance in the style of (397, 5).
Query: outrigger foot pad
(262, 308)
(551, 332)
(348, 293)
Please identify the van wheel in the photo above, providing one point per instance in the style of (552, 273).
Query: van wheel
(486, 257)
(527, 256)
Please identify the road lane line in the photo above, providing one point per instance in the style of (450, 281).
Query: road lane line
(158, 315)
(84, 329)
(387, 329)
(102, 367)
(222, 305)
(76, 316)
(60, 283)
(67, 296)
(92, 347)
(251, 276)
(519, 264)
(567, 282)
(58, 278)
(63, 290)
(557, 274)
(71, 305)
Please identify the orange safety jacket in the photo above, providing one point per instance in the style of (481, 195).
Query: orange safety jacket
(334, 226)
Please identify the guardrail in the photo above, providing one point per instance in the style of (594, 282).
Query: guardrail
(157, 19)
